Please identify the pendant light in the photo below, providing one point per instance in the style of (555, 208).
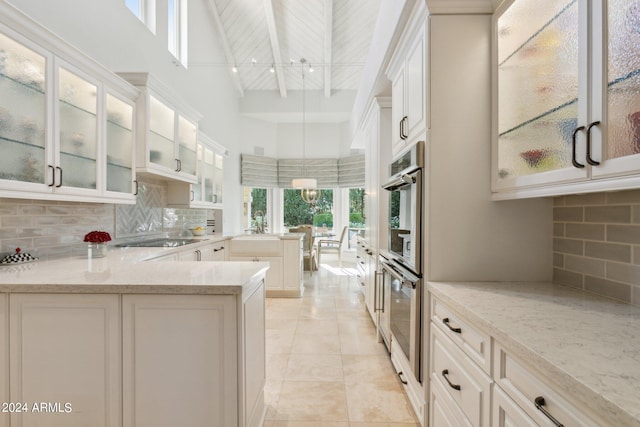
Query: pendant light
(308, 186)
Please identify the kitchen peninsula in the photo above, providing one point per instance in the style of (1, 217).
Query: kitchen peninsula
(125, 342)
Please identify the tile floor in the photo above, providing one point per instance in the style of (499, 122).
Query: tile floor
(325, 367)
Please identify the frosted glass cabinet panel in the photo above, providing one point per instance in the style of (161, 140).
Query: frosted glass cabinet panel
(22, 112)
(66, 123)
(187, 143)
(78, 104)
(119, 145)
(161, 134)
(568, 97)
(622, 137)
(208, 175)
(538, 86)
(219, 179)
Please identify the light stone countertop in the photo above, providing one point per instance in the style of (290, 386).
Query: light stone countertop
(127, 270)
(589, 346)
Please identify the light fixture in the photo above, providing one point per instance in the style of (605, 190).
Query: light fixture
(254, 61)
(310, 68)
(272, 69)
(234, 69)
(307, 186)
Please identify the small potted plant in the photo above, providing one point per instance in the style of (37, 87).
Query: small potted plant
(97, 241)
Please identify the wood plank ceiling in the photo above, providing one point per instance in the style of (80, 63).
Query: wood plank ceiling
(260, 35)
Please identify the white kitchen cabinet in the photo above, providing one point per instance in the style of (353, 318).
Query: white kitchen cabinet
(207, 191)
(214, 251)
(407, 72)
(274, 276)
(575, 127)
(463, 380)
(180, 360)
(514, 385)
(66, 123)
(167, 131)
(526, 387)
(81, 373)
(292, 265)
(284, 277)
(4, 357)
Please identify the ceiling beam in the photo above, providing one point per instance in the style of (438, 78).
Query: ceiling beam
(275, 46)
(328, 45)
(226, 46)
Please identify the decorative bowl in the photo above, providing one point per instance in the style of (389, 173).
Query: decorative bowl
(198, 231)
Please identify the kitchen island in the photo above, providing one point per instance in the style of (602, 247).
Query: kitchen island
(119, 341)
(521, 342)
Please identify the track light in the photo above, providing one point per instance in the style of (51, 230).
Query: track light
(272, 69)
(234, 69)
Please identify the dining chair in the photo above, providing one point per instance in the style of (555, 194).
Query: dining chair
(332, 245)
(308, 248)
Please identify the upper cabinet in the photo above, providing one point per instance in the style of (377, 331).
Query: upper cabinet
(407, 72)
(567, 100)
(66, 123)
(207, 191)
(168, 131)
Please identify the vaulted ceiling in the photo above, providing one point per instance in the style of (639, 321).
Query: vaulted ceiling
(265, 39)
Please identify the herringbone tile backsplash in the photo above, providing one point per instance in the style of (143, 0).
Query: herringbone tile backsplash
(55, 229)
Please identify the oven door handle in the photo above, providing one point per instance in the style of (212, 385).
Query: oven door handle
(407, 282)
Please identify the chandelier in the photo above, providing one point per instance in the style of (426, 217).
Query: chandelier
(308, 186)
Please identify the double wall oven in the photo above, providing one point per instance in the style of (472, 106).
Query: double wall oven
(401, 264)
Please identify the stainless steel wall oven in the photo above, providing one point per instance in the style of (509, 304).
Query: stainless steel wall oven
(401, 266)
(405, 208)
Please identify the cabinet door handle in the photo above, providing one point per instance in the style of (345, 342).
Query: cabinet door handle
(177, 165)
(198, 255)
(135, 181)
(402, 380)
(53, 176)
(573, 147)
(403, 135)
(445, 374)
(539, 402)
(193, 195)
(589, 159)
(60, 182)
(446, 322)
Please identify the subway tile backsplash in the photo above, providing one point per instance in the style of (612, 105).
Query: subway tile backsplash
(597, 243)
(49, 229)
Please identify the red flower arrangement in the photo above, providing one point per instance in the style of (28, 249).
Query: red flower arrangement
(97, 237)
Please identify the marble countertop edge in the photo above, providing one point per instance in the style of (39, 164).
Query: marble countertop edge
(617, 412)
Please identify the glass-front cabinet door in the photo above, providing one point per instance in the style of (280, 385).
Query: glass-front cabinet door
(197, 192)
(120, 142)
(616, 88)
(78, 137)
(541, 81)
(218, 179)
(24, 81)
(208, 175)
(162, 149)
(187, 144)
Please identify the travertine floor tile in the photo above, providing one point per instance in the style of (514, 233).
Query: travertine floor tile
(325, 367)
(312, 401)
(315, 344)
(314, 367)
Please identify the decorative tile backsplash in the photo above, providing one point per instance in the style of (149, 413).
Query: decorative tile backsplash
(596, 243)
(49, 229)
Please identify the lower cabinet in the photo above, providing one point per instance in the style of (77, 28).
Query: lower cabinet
(284, 277)
(463, 356)
(132, 360)
(64, 357)
(273, 278)
(179, 360)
